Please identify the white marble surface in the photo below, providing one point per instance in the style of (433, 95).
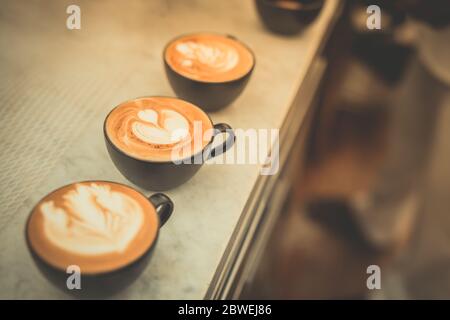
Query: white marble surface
(56, 86)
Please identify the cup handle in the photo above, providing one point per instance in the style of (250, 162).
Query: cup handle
(227, 144)
(163, 206)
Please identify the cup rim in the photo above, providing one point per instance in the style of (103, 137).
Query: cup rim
(105, 133)
(93, 274)
(305, 7)
(212, 33)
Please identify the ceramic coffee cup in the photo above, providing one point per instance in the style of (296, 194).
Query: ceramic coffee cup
(207, 69)
(104, 230)
(288, 17)
(159, 143)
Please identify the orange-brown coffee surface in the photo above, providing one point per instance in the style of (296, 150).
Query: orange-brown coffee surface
(98, 226)
(209, 57)
(288, 4)
(159, 128)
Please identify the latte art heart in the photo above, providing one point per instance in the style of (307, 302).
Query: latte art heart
(160, 128)
(151, 128)
(93, 220)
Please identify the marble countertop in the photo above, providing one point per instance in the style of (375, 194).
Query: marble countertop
(56, 87)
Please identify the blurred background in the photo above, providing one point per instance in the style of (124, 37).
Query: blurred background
(374, 184)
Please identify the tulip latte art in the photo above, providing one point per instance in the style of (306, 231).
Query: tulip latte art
(209, 57)
(151, 128)
(97, 225)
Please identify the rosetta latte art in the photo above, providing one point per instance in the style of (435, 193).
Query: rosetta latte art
(207, 58)
(93, 220)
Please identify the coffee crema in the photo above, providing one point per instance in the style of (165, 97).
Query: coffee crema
(98, 226)
(159, 128)
(288, 4)
(209, 57)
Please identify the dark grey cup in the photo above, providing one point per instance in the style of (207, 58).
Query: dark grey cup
(100, 285)
(210, 96)
(158, 175)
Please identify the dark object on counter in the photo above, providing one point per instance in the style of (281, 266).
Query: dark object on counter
(105, 283)
(209, 96)
(288, 17)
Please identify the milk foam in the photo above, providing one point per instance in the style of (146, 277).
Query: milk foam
(94, 220)
(222, 59)
(150, 128)
(163, 128)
